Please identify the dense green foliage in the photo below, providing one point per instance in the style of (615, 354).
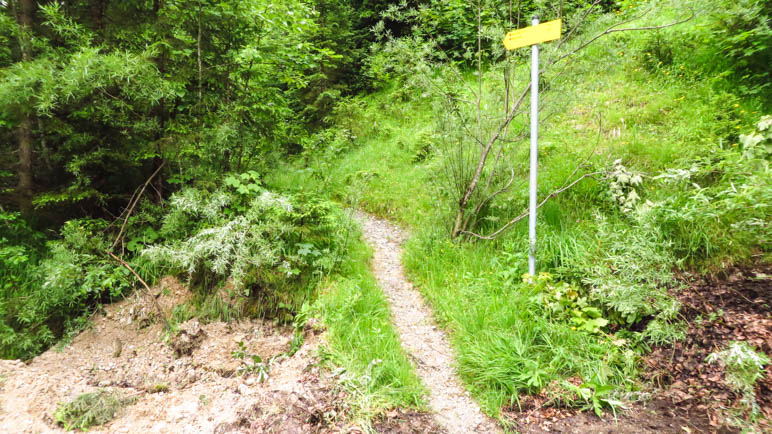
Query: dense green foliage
(99, 97)
(268, 245)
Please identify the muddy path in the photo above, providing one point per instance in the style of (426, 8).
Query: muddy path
(426, 343)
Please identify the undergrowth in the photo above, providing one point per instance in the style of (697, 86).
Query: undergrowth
(271, 249)
(685, 185)
(243, 249)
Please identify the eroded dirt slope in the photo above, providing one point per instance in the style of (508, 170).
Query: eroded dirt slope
(192, 385)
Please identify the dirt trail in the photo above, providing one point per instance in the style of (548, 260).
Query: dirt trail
(421, 338)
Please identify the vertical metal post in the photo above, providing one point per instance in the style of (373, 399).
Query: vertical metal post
(534, 153)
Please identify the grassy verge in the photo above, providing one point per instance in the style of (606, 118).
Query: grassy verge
(362, 340)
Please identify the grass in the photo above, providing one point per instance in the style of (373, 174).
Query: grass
(611, 106)
(377, 163)
(362, 341)
(90, 409)
(504, 342)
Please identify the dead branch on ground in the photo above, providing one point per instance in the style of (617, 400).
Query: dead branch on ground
(147, 291)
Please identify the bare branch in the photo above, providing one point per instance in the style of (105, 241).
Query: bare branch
(496, 193)
(613, 29)
(578, 25)
(497, 134)
(525, 214)
(132, 203)
(147, 291)
(479, 70)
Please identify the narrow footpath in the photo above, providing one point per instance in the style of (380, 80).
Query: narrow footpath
(427, 344)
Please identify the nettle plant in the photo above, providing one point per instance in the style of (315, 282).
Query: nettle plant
(564, 302)
(243, 186)
(623, 186)
(744, 366)
(256, 367)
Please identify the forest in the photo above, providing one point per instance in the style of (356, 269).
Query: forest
(315, 174)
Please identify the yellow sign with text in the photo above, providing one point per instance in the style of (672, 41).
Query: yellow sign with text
(539, 33)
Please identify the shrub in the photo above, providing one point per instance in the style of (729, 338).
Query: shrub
(723, 188)
(626, 270)
(744, 366)
(727, 40)
(40, 304)
(272, 247)
(740, 32)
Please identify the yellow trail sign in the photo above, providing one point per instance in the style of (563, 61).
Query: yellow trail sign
(544, 32)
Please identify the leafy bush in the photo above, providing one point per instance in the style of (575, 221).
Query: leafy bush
(742, 34)
(40, 304)
(272, 247)
(625, 270)
(723, 188)
(726, 40)
(563, 301)
(626, 261)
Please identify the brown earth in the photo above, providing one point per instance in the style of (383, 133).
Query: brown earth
(199, 388)
(690, 395)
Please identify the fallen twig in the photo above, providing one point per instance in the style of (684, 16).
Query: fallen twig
(147, 291)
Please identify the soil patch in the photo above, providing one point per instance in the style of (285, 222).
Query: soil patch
(124, 352)
(655, 416)
(407, 422)
(196, 389)
(734, 307)
(690, 395)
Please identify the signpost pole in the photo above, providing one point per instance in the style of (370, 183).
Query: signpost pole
(533, 36)
(534, 154)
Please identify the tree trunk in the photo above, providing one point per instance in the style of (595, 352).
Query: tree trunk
(26, 14)
(158, 161)
(98, 13)
(24, 188)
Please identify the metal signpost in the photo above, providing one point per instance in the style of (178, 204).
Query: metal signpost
(533, 35)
